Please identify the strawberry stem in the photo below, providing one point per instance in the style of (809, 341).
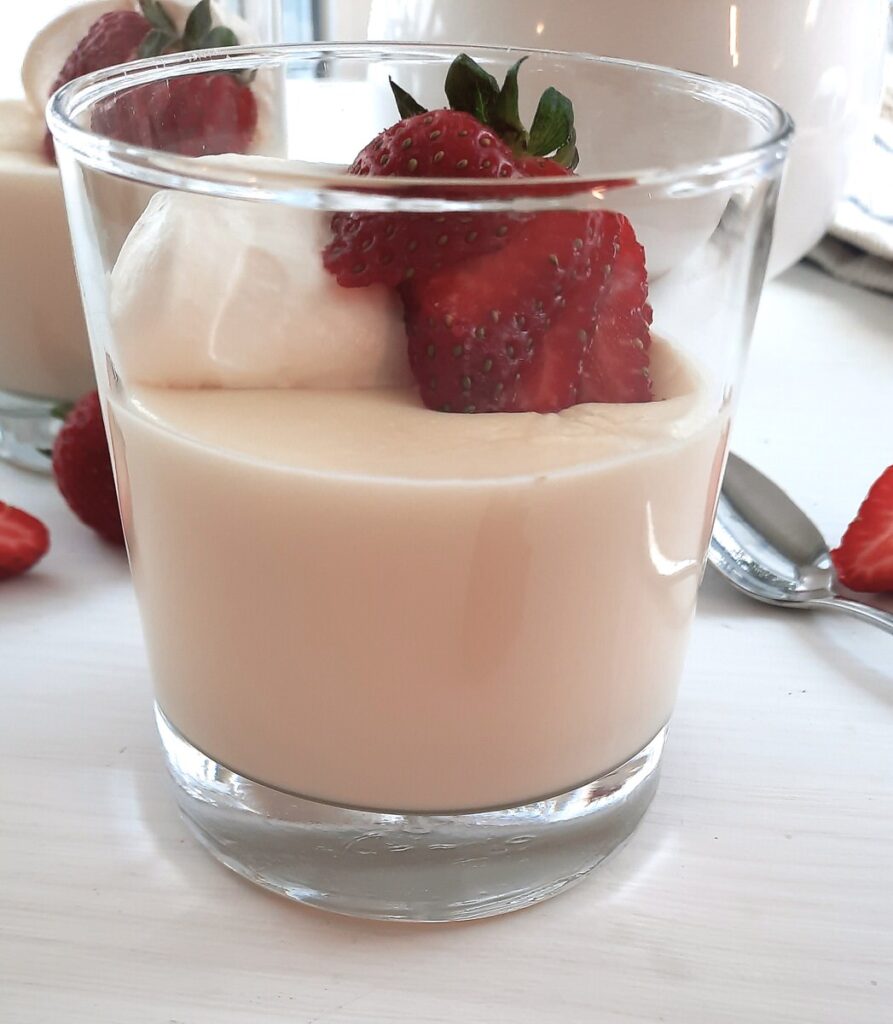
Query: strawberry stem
(406, 105)
(475, 91)
(199, 33)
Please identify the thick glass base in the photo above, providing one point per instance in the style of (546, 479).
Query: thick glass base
(413, 866)
(28, 428)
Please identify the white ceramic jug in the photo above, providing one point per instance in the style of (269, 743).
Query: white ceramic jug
(820, 59)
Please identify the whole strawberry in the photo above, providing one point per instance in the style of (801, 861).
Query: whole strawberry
(83, 469)
(197, 115)
(112, 39)
(24, 540)
(479, 137)
(386, 248)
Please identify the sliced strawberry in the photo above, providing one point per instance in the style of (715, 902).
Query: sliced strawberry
(533, 312)
(387, 248)
(552, 381)
(864, 560)
(475, 328)
(616, 369)
(24, 540)
(193, 115)
(571, 321)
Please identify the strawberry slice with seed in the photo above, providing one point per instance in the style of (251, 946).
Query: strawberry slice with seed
(476, 328)
(568, 321)
(24, 540)
(616, 368)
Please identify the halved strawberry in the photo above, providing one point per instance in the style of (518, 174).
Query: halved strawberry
(616, 367)
(548, 309)
(24, 540)
(597, 349)
(475, 329)
(864, 560)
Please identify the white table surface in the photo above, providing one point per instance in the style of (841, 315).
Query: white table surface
(759, 887)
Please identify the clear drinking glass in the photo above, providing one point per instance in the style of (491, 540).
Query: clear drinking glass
(411, 663)
(44, 352)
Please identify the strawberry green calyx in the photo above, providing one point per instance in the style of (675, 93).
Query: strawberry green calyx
(199, 32)
(473, 90)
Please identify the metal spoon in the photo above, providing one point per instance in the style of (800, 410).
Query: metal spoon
(768, 548)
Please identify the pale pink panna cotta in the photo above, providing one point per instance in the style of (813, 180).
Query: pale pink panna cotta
(44, 351)
(368, 603)
(348, 596)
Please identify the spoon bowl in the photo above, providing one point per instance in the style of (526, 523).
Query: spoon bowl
(768, 548)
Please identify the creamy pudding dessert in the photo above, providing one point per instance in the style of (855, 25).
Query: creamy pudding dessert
(415, 504)
(347, 596)
(44, 351)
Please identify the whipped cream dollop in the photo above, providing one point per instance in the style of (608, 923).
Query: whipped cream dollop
(52, 45)
(210, 292)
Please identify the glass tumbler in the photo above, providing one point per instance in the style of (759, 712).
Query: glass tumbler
(417, 473)
(45, 359)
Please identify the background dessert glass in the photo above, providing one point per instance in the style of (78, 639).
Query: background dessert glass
(45, 358)
(409, 664)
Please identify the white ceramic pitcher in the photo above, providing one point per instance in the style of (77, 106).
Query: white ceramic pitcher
(820, 59)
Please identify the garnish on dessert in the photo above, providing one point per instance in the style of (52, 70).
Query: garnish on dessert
(83, 469)
(504, 312)
(24, 540)
(194, 115)
(864, 559)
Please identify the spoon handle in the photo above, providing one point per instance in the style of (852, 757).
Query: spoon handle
(875, 616)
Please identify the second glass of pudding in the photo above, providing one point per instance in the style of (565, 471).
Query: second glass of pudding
(45, 362)
(416, 487)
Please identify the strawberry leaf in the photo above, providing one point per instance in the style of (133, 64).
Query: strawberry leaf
(406, 105)
(507, 117)
(220, 35)
(61, 410)
(568, 156)
(552, 131)
(158, 42)
(158, 17)
(198, 25)
(470, 88)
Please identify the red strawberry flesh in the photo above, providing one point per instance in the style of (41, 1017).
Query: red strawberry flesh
(864, 559)
(559, 316)
(24, 540)
(475, 329)
(616, 369)
(504, 313)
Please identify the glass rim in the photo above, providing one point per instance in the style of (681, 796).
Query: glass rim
(211, 176)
